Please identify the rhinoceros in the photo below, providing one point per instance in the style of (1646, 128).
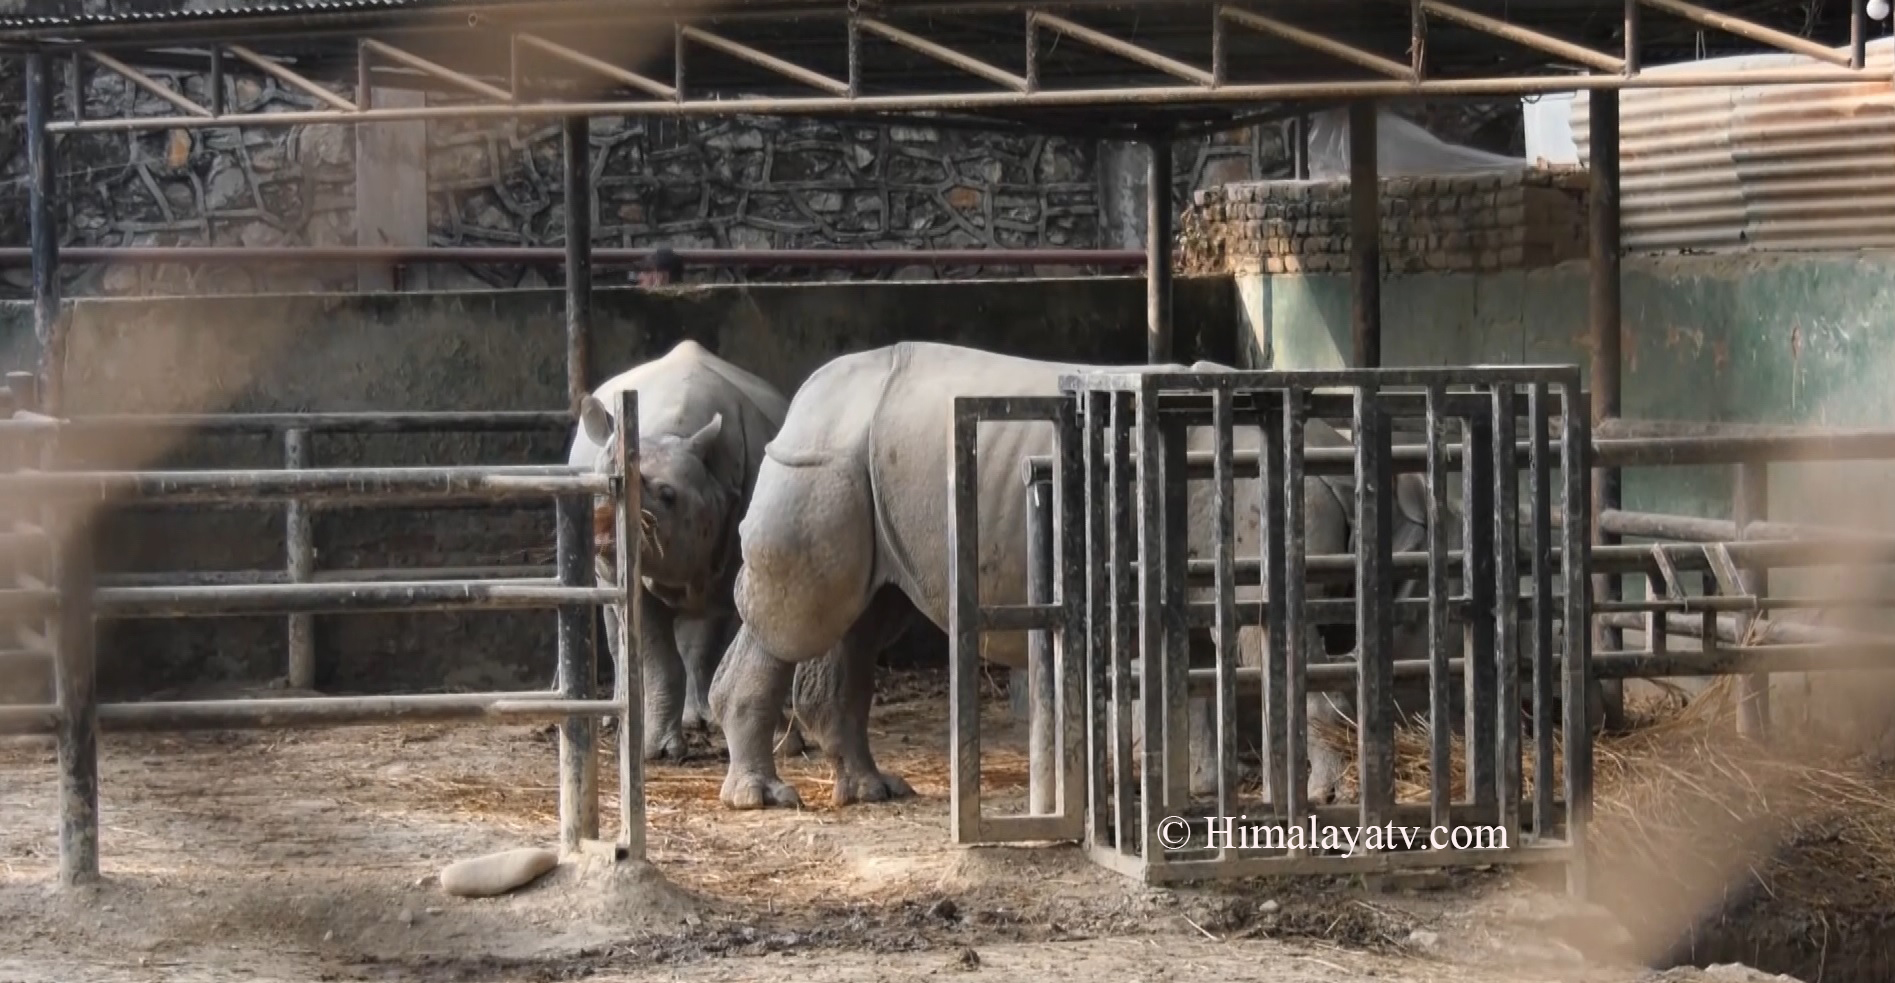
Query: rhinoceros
(702, 426)
(845, 541)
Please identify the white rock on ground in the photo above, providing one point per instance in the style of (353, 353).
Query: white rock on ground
(497, 873)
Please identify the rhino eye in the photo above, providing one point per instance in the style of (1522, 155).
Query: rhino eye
(667, 494)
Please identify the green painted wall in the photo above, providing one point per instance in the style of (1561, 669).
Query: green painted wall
(1804, 338)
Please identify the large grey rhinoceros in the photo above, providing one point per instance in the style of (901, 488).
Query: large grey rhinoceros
(703, 424)
(845, 539)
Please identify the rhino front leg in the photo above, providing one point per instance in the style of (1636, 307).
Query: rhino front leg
(701, 642)
(835, 693)
(662, 670)
(748, 693)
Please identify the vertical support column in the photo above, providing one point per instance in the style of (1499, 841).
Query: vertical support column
(1576, 669)
(1605, 303)
(1365, 236)
(1483, 709)
(1440, 725)
(1505, 597)
(1039, 653)
(1170, 675)
(964, 624)
(43, 231)
(1375, 612)
(578, 760)
(628, 682)
(576, 142)
(1299, 148)
(299, 544)
(1750, 502)
(75, 682)
(1158, 327)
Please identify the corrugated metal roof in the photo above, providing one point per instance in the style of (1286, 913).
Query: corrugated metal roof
(1797, 167)
(157, 14)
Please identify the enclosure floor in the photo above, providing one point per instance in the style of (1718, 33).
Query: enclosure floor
(300, 856)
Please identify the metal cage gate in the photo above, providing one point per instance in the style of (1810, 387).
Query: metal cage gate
(1130, 570)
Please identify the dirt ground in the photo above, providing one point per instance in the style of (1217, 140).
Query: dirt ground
(312, 856)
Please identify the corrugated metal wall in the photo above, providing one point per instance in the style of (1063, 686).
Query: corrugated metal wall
(1772, 167)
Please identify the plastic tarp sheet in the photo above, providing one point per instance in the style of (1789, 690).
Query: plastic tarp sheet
(1403, 149)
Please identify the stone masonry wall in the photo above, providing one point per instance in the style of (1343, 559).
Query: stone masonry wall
(1461, 223)
(744, 183)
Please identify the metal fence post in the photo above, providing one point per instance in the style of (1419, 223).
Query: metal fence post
(301, 562)
(628, 683)
(578, 760)
(1041, 763)
(78, 701)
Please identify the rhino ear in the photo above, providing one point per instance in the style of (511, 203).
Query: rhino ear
(594, 421)
(705, 440)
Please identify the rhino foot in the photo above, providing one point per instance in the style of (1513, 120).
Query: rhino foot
(869, 786)
(669, 747)
(697, 717)
(759, 792)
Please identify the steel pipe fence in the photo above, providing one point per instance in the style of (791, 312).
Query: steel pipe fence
(71, 600)
(1112, 590)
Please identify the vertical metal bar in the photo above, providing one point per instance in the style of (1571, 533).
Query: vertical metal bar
(1158, 326)
(364, 78)
(1294, 799)
(1124, 547)
(1632, 64)
(1150, 620)
(43, 227)
(1039, 651)
(1750, 501)
(76, 686)
(964, 624)
(1224, 553)
(1540, 490)
(1031, 70)
(578, 758)
(1299, 148)
(677, 59)
(1072, 592)
(1575, 443)
(1099, 515)
(1220, 54)
(1375, 732)
(76, 86)
(628, 680)
(1418, 40)
(1477, 576)
(1605, 303)
(1174, 667)
(854, 42)
(1365, 235)
(1506, 608)
(1858, 33)
(217, 80)
(298, 541)
(1277, 641)
(1440, 712)
(578, 153)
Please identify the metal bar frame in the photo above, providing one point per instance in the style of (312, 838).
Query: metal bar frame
(76, 600)
(1122, 829)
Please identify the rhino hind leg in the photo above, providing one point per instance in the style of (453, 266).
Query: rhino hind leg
(835, 693)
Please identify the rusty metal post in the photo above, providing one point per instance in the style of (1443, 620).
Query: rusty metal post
(576, 143)
(578, 673)
(1606, 305)
(43, 225)
(628, 681)
(1365, 236)
(76, 686)
(1042, 761)
(301, 551)
(1750, 502)
(1158, 327)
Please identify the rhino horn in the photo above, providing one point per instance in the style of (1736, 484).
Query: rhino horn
(595, 421)
(705, 440)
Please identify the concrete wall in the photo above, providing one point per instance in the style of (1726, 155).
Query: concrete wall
(500, 350)
(1778, 339)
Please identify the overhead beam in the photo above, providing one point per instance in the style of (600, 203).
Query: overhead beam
(1525, 37)
(441, 72)
(744, 52)
(1152, 98)
(623, 76)
(282, 74)
(149, 84)
(966, 63)
(1749, 30)
(1317, 42)
(1124, 49)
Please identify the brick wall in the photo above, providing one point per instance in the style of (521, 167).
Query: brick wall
(1454, 223)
